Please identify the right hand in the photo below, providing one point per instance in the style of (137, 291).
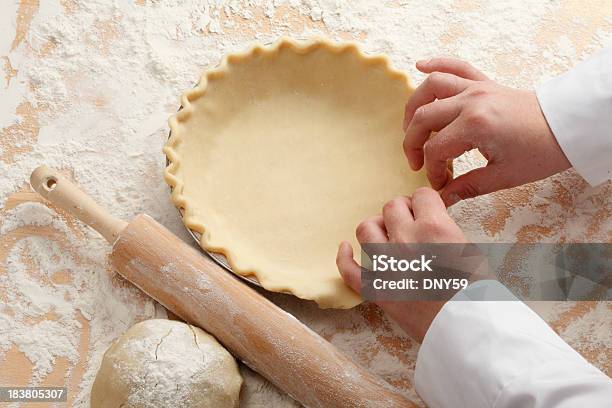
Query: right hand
(469, 112)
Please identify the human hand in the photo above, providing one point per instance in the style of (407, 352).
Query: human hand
(421, 218)
(469, 112)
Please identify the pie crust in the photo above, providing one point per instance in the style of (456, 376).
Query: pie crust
(279, 152)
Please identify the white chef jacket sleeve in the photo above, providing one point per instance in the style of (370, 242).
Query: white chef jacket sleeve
(500, 354)
(578, 108)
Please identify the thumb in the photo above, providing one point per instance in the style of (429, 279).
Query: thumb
(471, 184)
(349, 269)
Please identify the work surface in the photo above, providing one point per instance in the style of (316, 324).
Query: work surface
(88, 88)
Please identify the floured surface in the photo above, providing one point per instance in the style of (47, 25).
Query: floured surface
(281, 151)
(88, 89)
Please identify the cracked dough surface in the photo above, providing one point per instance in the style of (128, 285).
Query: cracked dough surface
(159, 361)
(279, 153)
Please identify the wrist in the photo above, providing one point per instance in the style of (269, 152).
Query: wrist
(415, 320)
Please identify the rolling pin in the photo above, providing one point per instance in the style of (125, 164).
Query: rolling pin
(262, 335)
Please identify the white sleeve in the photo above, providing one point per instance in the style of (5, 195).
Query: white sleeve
(500, 354)
(578, 108)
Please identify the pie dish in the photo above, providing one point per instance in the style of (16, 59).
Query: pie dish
(279, 152)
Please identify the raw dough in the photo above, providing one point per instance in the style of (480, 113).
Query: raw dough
(161, 363)
(281, 151)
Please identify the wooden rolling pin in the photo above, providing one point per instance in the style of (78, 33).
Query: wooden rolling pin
(262, 335)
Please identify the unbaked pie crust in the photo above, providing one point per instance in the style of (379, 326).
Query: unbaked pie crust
(280, 152)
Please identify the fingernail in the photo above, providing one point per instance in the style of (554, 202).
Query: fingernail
(424, 62)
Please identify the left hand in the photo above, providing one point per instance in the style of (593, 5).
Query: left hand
(421, 218)
(469, 112)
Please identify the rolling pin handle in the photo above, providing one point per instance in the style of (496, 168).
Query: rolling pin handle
(60, 191)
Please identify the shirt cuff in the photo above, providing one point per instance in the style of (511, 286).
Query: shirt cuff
(577, 107)
(475, 347)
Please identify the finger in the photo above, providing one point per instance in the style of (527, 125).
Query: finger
(372, 230)
(349, 269)
(477, 182)
(449, 143)
(426, 202)
(451, 66)
(438, 85)
(428, 118)
(398, 219)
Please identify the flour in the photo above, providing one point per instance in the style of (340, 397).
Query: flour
(95, 83)
(259, 393)
(48, 296)
(31, 214)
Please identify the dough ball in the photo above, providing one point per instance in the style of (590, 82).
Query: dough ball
(165, 363)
